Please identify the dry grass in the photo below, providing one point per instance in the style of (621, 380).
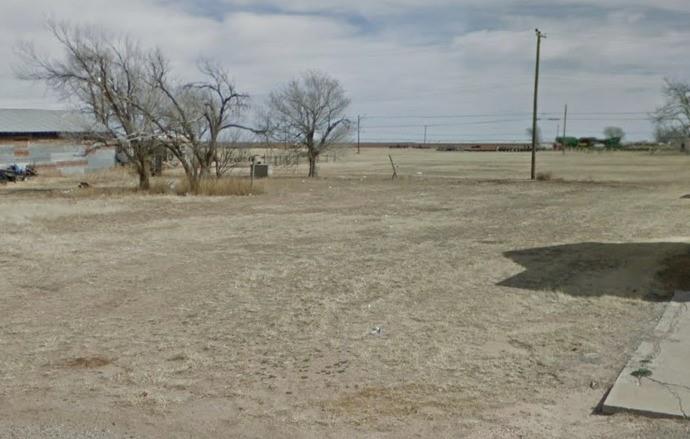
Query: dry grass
(500, 301)
(164, 186)
(49, 172)
(119, 175)
(610, 166)
(213, 187)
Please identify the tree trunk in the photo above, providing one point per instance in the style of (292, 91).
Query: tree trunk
(195, 185)
(144, 175)
(204, 167)
(312, 165)
(194, 179)
(157, 170)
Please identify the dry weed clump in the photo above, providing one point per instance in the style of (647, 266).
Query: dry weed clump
(162, 186)
(87, 362)
(544, 176)
(212, 187)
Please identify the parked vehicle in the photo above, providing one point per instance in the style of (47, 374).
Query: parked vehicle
(14, 173)
(7, 175)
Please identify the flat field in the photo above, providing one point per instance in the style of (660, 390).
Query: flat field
(460, 300)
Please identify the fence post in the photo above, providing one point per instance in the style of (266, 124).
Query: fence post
(251, 184)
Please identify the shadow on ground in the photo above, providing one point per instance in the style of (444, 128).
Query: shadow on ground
(649, 271)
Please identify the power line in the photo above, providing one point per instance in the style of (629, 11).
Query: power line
(468, 115)
(475, 135)
(444, 140)
(491, 122)
(483, 122)
(622, 113)
(613, 119)
(453, 116)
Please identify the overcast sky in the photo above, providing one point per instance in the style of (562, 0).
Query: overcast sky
(406, 60)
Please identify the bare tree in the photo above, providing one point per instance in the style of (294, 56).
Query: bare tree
(195, 116)
(667, 135)
(672, 120)
(223, 108)
(310, 112)
(104, 76)
(614, 133)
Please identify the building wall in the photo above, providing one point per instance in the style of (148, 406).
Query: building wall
(68, 156)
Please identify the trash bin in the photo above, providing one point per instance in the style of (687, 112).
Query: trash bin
(262, 170)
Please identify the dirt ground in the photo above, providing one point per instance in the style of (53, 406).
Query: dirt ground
(458, 301)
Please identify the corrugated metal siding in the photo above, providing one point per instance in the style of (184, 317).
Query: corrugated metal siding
(68, 157)
(101, 159)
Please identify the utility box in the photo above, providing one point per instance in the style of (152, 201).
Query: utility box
(262, 170)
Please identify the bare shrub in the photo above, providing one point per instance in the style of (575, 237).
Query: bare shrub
(229, 157)
(544, 176)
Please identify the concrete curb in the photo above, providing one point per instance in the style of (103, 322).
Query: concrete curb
(656, 380)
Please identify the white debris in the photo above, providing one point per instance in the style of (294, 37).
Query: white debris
(376, 330)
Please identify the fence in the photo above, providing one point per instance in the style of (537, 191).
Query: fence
(295, 159)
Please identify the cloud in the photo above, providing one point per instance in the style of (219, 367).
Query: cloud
(404, 57)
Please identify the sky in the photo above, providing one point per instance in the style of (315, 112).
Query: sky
(462, 68)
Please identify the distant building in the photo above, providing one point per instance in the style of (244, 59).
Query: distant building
(64, 140)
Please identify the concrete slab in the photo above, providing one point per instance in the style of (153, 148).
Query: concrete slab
(656, 380)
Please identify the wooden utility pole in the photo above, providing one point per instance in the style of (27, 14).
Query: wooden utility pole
(533, 174)
(565, 119)
(425, 128)
(565, 123)
(359, 120)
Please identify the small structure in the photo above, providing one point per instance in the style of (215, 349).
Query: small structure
(259, 168)
(64, 140)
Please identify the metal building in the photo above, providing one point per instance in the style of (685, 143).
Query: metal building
(62, 140)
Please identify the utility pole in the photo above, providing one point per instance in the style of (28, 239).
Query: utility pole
(565, 122)
(533, 174)
(425, 128)
(359, 120)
